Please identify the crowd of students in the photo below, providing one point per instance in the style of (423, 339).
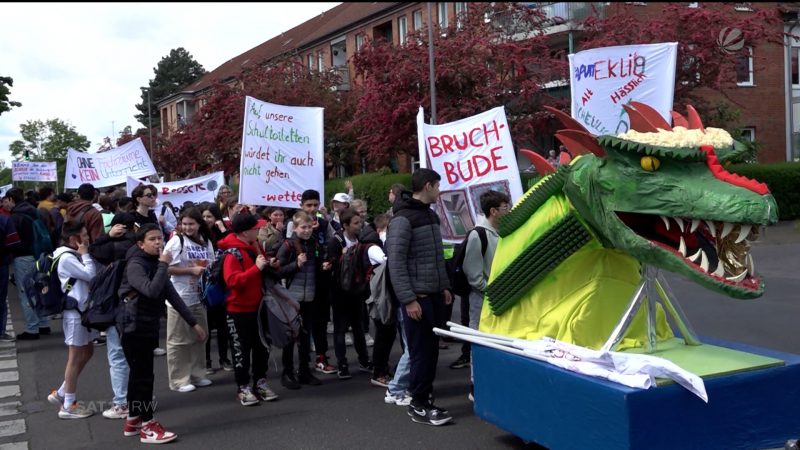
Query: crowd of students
(257, 248)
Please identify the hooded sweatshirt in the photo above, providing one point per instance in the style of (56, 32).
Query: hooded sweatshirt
(243, 279)
(91, 217)
(147, 276)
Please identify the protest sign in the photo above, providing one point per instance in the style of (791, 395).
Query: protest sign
(196, 190)
(33, 171)
(604, 79)
(108, 168)
(4, 189)
(282, 154)
(472, 155)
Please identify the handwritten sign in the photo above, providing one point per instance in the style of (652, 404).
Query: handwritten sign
(33, 171)
(4, 189)
(196, 190)
(472, 155)
(282, 153)
(604, 79)
(108, 168)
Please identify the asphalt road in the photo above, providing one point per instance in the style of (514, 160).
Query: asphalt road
(352, 414)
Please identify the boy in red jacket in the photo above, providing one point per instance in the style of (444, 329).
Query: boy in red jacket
(241, 269)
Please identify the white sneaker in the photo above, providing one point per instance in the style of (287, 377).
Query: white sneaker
(116, 412)
(370, 341)
(158, 351)
(202, 382)
(348, 338)
(401, 400)
(187, 388)
(74, 412)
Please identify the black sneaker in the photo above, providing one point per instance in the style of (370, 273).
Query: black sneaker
(428, 414)
(344, 372)
(367, 367)
(44, 331)
(25, 336)
(308, 378)
(100, 340)
(289, 381)
(461, 362)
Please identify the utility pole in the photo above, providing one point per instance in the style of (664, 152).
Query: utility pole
(431, 71)
(149, 121)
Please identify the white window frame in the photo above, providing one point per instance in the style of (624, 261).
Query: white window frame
(749, 132)
(402, 29)
(359, 41)
(694, 5)
(751, 80)
(441, 15)
(416, 18)
(310, 59)
(321, 60)
(461, 14)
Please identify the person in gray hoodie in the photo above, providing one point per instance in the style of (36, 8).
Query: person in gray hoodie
(419, 278)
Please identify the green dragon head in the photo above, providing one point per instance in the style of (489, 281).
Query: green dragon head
(663, 196)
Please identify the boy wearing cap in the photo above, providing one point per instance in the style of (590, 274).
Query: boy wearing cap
(242, 275)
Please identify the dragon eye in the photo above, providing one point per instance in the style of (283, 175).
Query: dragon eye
(650, 163)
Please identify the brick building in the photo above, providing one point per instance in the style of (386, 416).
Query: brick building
(768, 79)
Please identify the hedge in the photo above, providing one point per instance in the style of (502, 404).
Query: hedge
(783, 180)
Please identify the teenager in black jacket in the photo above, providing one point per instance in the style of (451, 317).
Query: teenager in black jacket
(147, 283)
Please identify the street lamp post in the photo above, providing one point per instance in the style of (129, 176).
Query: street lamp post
(149, 120)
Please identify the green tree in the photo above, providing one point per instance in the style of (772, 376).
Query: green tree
(173, 72)
(47, 141)
(5, 103)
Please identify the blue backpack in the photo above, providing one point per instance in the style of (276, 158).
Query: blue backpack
(43, 287)
(212, 282)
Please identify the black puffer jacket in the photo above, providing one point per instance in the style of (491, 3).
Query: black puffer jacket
(415, 252)
(147, 276)
(106, 249)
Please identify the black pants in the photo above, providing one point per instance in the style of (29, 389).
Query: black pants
(218, 320)
(465, 321)
(307, 313)
(384, 340)
(139, 354)
(423, 346)
(245, 341)
(320, 313)
(348, 312)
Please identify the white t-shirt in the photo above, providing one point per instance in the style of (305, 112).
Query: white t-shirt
(83, 270)
(192, 254)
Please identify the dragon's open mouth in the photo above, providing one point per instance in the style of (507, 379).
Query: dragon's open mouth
(718, 250)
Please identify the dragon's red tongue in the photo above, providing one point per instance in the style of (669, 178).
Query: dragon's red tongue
(674, 234)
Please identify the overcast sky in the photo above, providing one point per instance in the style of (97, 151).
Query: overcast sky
(84, 63)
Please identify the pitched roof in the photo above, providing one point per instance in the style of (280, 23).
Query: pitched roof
(326, 23)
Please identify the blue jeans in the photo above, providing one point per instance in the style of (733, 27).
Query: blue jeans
(3, 297)
(399, 384)
(24, 266)
(117, 366)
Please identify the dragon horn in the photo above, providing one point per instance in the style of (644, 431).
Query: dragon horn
(694, 119)
(678, 120)
(638, 121)
(579, 142)
(539, 163)
(652, 115)
(566, 119)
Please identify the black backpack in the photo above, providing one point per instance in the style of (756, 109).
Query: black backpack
(212, 282)
(103, 304)
(455, 265)
(43, 287)
(355, 271)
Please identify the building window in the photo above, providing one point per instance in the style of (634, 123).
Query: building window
(461, 15)
(359, 41)
(694, 5)
(321, 61)
(749, 134)
(442, 14)
(417, 20)
(795, 74)
(744, 6)
(310, 61)
(402, 29)
(744, 68)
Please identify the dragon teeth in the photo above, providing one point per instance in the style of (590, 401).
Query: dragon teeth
(680, 223)
(666, 222)
(695, 257)
(711, 228)
(682, 247)
(748, 264)
(744, 231)
(726, 229)
(695, 224)
(720, 271)
(738, 278)
(703, 261)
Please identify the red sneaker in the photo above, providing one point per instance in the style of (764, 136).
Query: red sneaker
(132, 426)
(323, 366)
(153, 433)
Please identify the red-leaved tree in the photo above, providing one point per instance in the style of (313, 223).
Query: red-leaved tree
(213, 139)
(496, 55)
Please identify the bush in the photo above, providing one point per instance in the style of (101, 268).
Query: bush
(783, 180)
(372, 187)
